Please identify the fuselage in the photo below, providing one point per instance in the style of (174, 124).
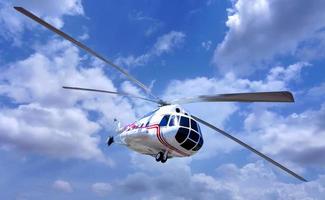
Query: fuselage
(167, 129)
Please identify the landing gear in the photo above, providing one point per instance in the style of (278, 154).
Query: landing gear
(161, 157)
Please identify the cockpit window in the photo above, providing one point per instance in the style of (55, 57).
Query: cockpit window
(188, 144)
(185, 121)
(199, 145)
(194, 125)
(194, 136)
(173, 120)
(164, 120)
(181, 135)
(189, 137)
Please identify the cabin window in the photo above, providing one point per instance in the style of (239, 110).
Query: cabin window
(185, 122)
(164, 120)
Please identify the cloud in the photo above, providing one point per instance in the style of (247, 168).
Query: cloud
(298, 138)
(13, 24)
(101, 189)
(164, 44)
(206, 45)
(313, 48)
(251, 181)
(152, 24)
(262, 183)
(63, 133)
(259, 30)
(140, 106)
(62, 186)
(317, 91)
(62, 128)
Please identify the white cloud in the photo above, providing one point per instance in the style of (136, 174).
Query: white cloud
(152, 24)
(101, 189)
(313, 48)
(206, 45)
(317, 91)
(40, 77)
(140, 16)
(141, 107)
(262, 29)
(13, 23)
(53, 11)
(164, 44)
(167, 42)
(298, 138)
(251, 181)
(62, 186)
(65, 131)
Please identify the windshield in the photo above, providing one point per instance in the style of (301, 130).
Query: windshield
(189, 134)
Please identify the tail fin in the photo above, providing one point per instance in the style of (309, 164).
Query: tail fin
(118, 126)
(115, 139)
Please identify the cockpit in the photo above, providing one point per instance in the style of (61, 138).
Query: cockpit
(189, 133)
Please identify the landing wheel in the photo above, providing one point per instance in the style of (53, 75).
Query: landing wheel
(163, 160)
(159, 156)
(164, 157)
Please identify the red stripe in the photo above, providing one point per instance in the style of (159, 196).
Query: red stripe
(163, 141)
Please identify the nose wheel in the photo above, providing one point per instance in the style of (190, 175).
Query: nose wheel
(161, 157)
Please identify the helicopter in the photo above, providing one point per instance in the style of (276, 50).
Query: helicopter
(169, 131)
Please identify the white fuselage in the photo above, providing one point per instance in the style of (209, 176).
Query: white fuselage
(168, 129)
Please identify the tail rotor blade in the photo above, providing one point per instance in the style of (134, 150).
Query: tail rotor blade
(250, 148)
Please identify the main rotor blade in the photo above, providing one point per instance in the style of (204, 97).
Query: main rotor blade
(110, 92)
(84, 47)
(250, 148)
(281, 96)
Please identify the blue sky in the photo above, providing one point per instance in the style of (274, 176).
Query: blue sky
(52, 142)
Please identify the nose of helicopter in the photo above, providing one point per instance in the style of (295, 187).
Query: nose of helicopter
(182, 131)
(189, 135)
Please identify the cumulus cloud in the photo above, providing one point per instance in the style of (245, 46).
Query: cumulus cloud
(259, 30)
(62, 133)
(164, 44)
(298, 138)
(101, 189)
(13, 23)
(251, 181)
(47, 120)
(62, 186)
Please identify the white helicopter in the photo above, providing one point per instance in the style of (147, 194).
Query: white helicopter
(170, 131)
